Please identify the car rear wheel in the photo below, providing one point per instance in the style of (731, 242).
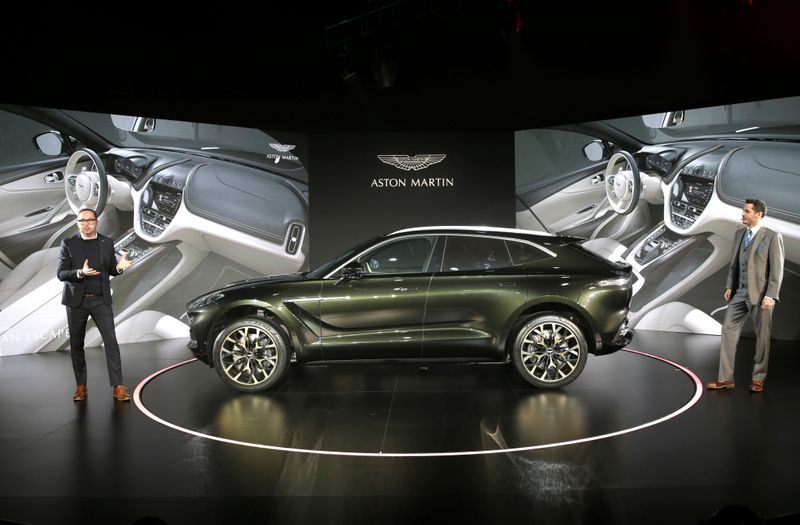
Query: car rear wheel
(251, 355)
(550, 351)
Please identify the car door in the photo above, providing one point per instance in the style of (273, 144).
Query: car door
(556, 184)
(33, 204)
(379, 314)
(472, 299)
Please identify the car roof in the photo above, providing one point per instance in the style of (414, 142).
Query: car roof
(511, 232)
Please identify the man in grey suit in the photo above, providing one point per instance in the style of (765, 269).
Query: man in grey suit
(754, 281)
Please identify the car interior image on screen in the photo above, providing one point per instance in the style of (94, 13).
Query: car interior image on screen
(195, 206)
(664, 193)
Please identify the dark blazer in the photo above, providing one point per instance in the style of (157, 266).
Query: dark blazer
(765, 266)
(71, 259)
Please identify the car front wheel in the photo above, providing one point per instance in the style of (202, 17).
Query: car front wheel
(251, 355)
(550, 351)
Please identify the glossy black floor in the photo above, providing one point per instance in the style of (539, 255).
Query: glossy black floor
(107, 462)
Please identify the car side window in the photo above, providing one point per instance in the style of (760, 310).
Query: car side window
(16, 140)
(464, 253)
(547, 155)
(409, 255)
(523, 253)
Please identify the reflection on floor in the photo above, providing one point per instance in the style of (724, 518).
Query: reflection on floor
(105, 462)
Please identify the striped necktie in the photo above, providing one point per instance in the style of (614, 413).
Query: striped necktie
(748, 237)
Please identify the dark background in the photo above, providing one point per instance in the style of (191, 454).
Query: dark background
(345, 209)
(418, 65)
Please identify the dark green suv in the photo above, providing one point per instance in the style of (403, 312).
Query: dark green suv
(476, 294)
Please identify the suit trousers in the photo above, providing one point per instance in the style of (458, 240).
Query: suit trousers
(739, 308)
(103, 318)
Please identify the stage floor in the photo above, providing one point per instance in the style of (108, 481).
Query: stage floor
(633, 440)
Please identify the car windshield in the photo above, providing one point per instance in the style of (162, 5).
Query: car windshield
(764, 117)
(249, 145)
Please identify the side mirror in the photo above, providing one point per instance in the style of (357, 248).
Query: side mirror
(137, 124)
(670, 119)
(596, 151)
(350, 272)
(50, 143)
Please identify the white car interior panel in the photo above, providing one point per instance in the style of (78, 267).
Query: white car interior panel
(607, 248)
(624, 228)
(679, 317)
(24, 202)
(574, 204)
(35, 321)
(525, 220)
(34, 271)
(119, 194)
(150, 325)
(651, 188)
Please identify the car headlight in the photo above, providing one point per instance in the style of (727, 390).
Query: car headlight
(204, 300)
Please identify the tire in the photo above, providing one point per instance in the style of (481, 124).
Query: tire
(251, 355)
(550, 351)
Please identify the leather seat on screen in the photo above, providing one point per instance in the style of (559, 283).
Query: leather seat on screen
(150, 325)
(679, 317)
(605, 247)
(35, 270)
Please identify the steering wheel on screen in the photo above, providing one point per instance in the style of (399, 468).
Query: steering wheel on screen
(623, 183)
(85, 181)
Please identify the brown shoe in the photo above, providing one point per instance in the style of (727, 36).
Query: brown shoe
(719, 385)
(80, 393)
(756, 386)
(121, 393)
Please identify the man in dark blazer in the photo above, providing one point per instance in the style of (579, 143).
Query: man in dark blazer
(85, 263)
(754, 278)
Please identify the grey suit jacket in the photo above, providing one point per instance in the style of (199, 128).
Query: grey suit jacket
(765, 266)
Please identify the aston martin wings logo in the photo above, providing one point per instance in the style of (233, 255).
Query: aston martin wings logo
(283, 148)
(415, 163)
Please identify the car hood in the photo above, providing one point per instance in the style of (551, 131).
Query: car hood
(270, 279)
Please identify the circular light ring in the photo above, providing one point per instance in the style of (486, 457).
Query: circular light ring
(137, 399)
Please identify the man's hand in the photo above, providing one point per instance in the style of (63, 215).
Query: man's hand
(727, 294)
(767, 303)
(124, 263)
(86, 271)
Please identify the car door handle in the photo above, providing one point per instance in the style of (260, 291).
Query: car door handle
(508, 283)
(37, 212)
(54, 178)
(588, 208)
(597, 179)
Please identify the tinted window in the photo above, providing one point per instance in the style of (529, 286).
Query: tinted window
(402, 256)
(523, 253)
(547, 155)
(474, 253)
(16, 140)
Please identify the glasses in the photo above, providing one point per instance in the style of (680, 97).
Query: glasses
(84, 221)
